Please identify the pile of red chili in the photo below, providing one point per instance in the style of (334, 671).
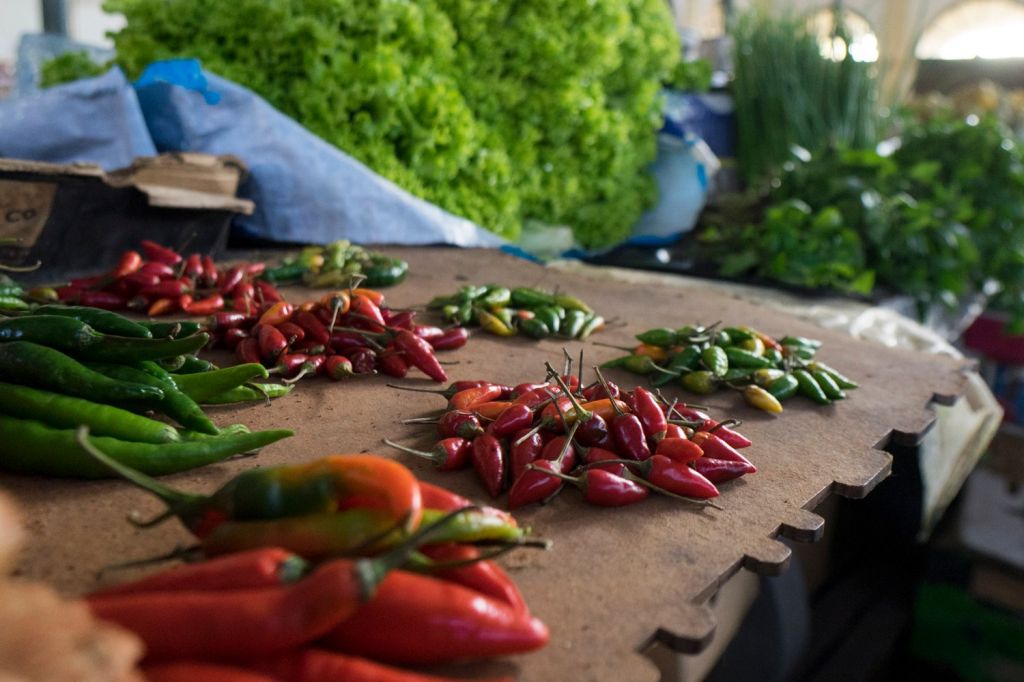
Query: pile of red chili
(161, 281)
(272, 599)
(346, 332)
(622, 445)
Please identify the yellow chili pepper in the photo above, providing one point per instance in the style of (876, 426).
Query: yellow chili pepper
(762, 399)
(493, 324)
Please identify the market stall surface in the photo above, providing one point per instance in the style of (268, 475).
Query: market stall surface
(615, 580)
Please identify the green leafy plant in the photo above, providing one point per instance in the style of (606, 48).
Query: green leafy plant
(501, 112)
(70, 66)
(691, 76)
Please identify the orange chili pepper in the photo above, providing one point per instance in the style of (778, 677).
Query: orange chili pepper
(656, 353)
(768, 341)
(336, 299)
(372, 294)
(161, 306)
(491, 410)
(277, 313)
(467, 399)
(603, 407)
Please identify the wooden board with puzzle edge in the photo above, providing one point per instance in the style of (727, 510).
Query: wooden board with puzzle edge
(615, 580)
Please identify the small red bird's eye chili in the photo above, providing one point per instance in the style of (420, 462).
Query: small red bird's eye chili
(400, 320)
(194, 267)
(243, 298)
(102, 299)
(393, 364)
(343, 341)
(513, 418)
(140, 280)
(292, 332)
(628, 433)
(492, 410)
(131, 261)
(733, 438)
(364, 360)
(427, 332)
(534, 398)
(271, 342)
(231, 278)
(593, 456)
(522, 389)
(716, 448)
(675, 431)
(232, 337)
(248, 350)
(675, 477)
(168, 288)
(160, 270)
(160, 306)
(210, 274)
(205, 306)
(312, 325)
(488, 457)
(337, 367)
(458, 423)
(449, 454)
(469, 398)
(160, 254)
(605, 489)
(254, 270)
(267, 291)
(721, 470)
(526, 448)
(536, 483)
(679, 449)
(420, 354)
(649, 412)
(595, 433)
(452, 339)
(367, 311)
(277, 313)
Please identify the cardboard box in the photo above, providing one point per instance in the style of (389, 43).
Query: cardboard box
(76, 219)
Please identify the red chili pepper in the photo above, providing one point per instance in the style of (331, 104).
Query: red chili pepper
(721, 470)
(524, 388)
(314, 329)
(162, 306)
(102, 299)
(141, 280)
(536, 483)
(368, 311)
(184, 301)
(264, 567)
(248, 350)
(452, 339)
(68, 293)
(716, 448)
(194, 267)
(343, 342)
(277, 313)
(161, 270)
(679, 449)
(231, 278)
(675, 477)
(484, 577)
(232, 337)
(272, 343)
(160, 254)
(592, 456)
(89, 282)
(458, 423)
(226, 320)
(400, 320)
(210, 275)
(448, 454)
(416, 619)
(595, 391)
(606, 489)
(675, 431)
(130, 262)
(309, 348)
(291, 364)
(293, 333)
(629, 436)
(199, 671)
(364, 360)
(274, 619)
(267, 291)
(594, 432)
(647, 409)
(469, 398)
(242, 298)
(169, 288)
(393, 364)
(337, 367)
(733, 438)
(533, 398)
(121, 287)
(488, 457)
(527, 445)
(426, 331)
(377, 297)
(435, 497)
(420, 355)
(205, 306)
(513, 418)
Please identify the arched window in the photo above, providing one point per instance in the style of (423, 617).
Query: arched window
(860, 39)
(986, 29)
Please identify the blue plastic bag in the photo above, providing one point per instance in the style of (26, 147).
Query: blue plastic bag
(305, 189)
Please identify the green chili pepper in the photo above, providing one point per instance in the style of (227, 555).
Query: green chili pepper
(800, 352)
(549, 315)
(31, 364)
(774, 356)
(172, 364)
(828, 385)
(744, 358)
(841, 381)
(31, 447)
(573, 323)
(450, 311)
(470, 293)
(682, 361)
(723, 339)
(534, 328)
(464, 313)
(193, 365)
(384, 271)
(442, 302)
(809, 387)
(592, 324)
(765, 376)
(13, 290)
(737, 373)
(715, 360)
(494, 324)
(250, 392)
(661, 336)
(784, 387)
(701, 381)
(506, 316)
(689, 331)
(204, 386)
(472, 525)
(13, 304)
(496, 297)
(738, 334)
(525, 297)
(188, 434)
(67, 412)
(800, 341)
(77, 338)
(174, 403)
(286, 272)
(173, 330)
(571, 303)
